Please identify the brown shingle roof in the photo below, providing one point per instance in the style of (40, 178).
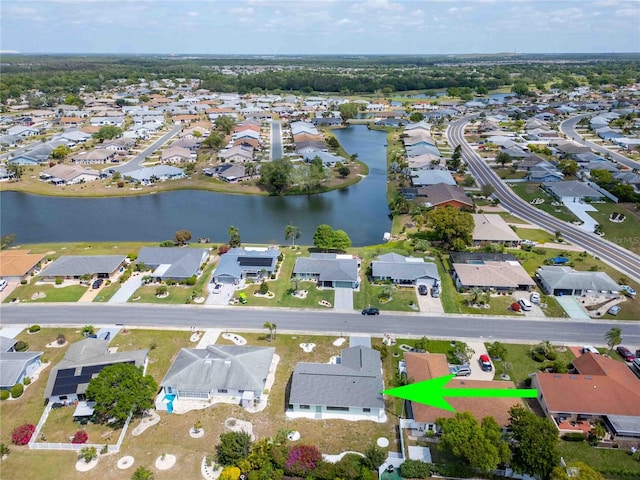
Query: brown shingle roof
(16, 263)
(441, 193)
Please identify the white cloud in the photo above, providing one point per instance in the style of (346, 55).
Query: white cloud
(240, 11)
(344, 21)
(192, 14)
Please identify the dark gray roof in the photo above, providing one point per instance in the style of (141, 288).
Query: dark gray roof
(68, 265)
(12, 365)
(396, 266)
(328, 268)
(355, 382)
(185, 262)
(572, 188)
(466, 257)
(568, 278)
(625, 425)
(230, 367)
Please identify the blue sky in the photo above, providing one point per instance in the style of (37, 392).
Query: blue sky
(319, 26)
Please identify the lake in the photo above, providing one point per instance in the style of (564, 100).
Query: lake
(361, 210)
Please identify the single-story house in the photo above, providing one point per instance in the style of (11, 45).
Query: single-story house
(6, 175)
(75, 266)
(228, 172)
(426, 366)
(404, 270)
(175, 263)
(239, 153)
(94, 156)
(559, 281)
(219, 371)
(177, 154)
(572, 191)
(349, 389)
(327, 121)
(23, 160)
(544, 172)
(61, 174)
(603, 389)
(15, 366)
(17, 265)
(328, 159)
(241, 263)
(493, 229)
(423, 178)
(157, 173)
(489, 271)
(328, 270)
(442, 195)
(83, 361)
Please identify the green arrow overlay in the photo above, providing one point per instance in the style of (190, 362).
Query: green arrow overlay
(432, 392)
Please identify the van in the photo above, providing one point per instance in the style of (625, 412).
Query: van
(525, 304)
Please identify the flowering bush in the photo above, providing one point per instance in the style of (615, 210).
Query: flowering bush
(302, 459)
(22, 434)
(515, 306)
(80, 437)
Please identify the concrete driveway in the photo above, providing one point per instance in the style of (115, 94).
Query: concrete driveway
(343, 299)
(127, 289)
(580, 210)
(428, 304)
(221, 298)
(476, 372)
(535, 311)
(8, 290)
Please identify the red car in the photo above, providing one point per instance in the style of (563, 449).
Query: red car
(485, 363)
(625, 353)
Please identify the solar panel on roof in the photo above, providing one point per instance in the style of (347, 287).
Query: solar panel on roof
(253, 261)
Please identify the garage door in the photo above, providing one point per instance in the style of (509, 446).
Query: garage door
(425, 281)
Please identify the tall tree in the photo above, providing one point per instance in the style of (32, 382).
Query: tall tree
(276, 175)
(232, 447)
(449, 224)
(535, 448)
(214, 141)
(225, 124)
(107, 133)
(348, 111)
(120, 389)
(456, 159)
(15, 170)
(503, 158)
(613, 337)
(234, 236)
(7, 240)
(323, 237)
(291, 232)
(182, 237)
(575, 471)
(60, 152)
(568, 167)
(341, 240)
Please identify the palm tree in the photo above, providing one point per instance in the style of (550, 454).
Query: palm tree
(474, 295)
(291, 232)
(269, 326)
(613, 337)
(142, 473)
(274, 327)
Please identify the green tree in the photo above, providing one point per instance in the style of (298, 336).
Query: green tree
(449, 224)
(225, 124)
(269, 326)
(275, 176)
(107, 133)
(487, 190)
(479, 445)
(497, 350)
(182, 237)
(568, 167)
(341, 240)
(72, 99)
(234, 236)
(7, 240)
(463, 352)
(214, 141)
(456, 159)
(503, 158)
(232, 447)
(291, 232)
(416, 117)
(323, 237)
(374, 456)
(344, 171)
(120, 389)
(348, 111)
(60, 152)
(535, 447)
(613, 337)
(88, 453)
(521, 89)
(15, 170)
(575, 471)
(142, 473)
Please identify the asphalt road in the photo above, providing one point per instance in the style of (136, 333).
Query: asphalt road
(136, 162)
(512, 329)
(276, 140)
(568, 127)
(618, 257)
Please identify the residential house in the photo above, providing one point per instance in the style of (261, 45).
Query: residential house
(10, 140)
(17, 265)
(602, 389)
(562, 280)
(238, 154)
(327, 121)
(104, 121)
(493, 229)
(239, 264)
(228, 173)
(220, 372)
(403, 270)
(177, 155)
(157, 173)
(122, 144)
(349, 389)
(423, 178)
(83, 361)
(544, 172)
(489, 271)
(23, 131)
(329, 270)
(23, 160)
(75, 266)
(100, 156)
(440, 195)
(421, 367)
(16, 366)
(6, 175)
(328, 159)
(175, 263)
(572, 191)
(61, 174)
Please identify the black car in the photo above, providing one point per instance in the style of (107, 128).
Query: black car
(97, 283)
(423, 290)
(371, 311)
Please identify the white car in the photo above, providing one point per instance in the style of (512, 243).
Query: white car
(217, 288)
(3, 284)
(535, 297)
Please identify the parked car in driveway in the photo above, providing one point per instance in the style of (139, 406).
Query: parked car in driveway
(423, 290)
(625, 353)
(97, 283)
(485, 363)
(460, 370)
(614, 310)
(534, 297)
(217, 288)
(370, 311)
(435, 291)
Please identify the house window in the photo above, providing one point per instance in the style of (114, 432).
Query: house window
(339, 409)
(366, 410)
(304, 407)
(222, 390)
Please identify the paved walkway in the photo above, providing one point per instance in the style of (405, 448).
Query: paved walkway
(210, 337)
(580, 210)
(561, 246)
(572, 307)
(343, 299)
(127, 289)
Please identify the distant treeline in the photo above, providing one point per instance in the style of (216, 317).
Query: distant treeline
(57, 76)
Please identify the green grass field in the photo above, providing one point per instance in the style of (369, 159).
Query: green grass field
(624, 234)
(613, 463)
(31, 293)
(529, 191)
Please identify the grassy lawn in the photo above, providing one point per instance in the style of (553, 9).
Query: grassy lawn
(506, 173)
(499, 305)
(448, 294)
(612, 463)
(369, 296)
(177, 295)
(529, 191)
(107, 292)
(624, 234)
(535, 235)
(522, 364)
(507, 217)
(52, 293)
(60, 427)
(54, 250)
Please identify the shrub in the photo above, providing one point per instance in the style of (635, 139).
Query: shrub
(222, 249)
(273, 276)
(537, 356)
(161, 290)
(87, 454)
(121, 184)
(167, 243)
(552, 355)
(59, 281)
(26, 380)
(4, 394)
(574, 437)
(22, 434)
(302, 459)
(264, 288)
(230, 473)
(125, 276)
(132, 257)
(191, 281)
(87, 330)
(23, 282)
(21, 346)
(61, 339)
(80, 437)
(34, 328)
(515, 306)
(4, 450)
(415, 469)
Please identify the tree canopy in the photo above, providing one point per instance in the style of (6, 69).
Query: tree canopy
(275, 175)
(182, 237)
(225, 124)
(348, 111)
(120, 389)
(451, 226)
(326, 238)
(232, 447)
(107, 132)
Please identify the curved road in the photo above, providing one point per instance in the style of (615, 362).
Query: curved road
(512, 329)
(136, 162)
(568, 127)
(618, 257)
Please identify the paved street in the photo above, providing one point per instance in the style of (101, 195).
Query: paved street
(319, 321)
(136, 162)
(276, 140)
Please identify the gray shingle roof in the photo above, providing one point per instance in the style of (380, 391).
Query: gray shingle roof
(6, 343)
(568, 278)
(229, 367)
(329, 269)
(185, 262)
(397, 267)
(12, 364)
(572, 188)
(230, 264)
(355, 382)
(68, 265)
